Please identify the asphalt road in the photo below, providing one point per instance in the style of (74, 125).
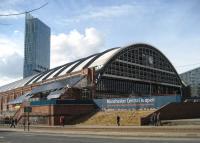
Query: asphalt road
(21, 137)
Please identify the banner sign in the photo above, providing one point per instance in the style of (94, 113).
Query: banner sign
(145, 102)
(130, 100)
(137, 102)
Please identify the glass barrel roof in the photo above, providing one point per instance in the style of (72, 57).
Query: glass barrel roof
(16, 84)
(31, 80)
(51, 72)
(68, 68)
(99, 62)
(40, 79)
(101, 59)
(36, 78)
(55, 72)
(80, 67)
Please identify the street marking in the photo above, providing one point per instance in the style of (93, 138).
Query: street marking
(115, 137)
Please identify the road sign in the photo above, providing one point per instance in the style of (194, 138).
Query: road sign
(27, 109)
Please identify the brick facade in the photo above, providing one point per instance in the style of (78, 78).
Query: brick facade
(50, 114)
(10, 95)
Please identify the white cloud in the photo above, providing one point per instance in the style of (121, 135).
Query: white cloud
(103, 12)
(11, 59)
(10, 11)
(107, 12)
(11, 65)
(16, 31)
(9, 45)
(11, 2)
(74, 45)
(6, 80)
(11, 7)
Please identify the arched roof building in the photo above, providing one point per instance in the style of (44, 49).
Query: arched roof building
(134, 70)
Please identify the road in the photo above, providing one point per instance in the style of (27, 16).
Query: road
(24, 137)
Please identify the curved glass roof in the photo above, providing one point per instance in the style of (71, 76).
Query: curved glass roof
(41, 78)
(16, 84)
(98, 61)
(55, 72)
(67, 69)
(80, 66)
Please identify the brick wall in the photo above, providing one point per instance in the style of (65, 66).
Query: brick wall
(52, 113)
(9, 95)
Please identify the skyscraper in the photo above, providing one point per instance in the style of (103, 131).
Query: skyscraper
(37, 46)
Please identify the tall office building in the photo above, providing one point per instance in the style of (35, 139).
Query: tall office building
(37, 46)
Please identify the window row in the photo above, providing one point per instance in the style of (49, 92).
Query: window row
(133, 71)
(146, 56)
(116, 86)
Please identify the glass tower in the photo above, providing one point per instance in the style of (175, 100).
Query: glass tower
(37, 46)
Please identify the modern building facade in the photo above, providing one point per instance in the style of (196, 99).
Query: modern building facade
(137, 70)
(37, 46)
(192, 79)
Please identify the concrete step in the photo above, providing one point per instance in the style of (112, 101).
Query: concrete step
(181, 122)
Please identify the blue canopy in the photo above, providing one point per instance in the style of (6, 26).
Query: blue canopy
(21, 99)
(57, 85)
(55, 94)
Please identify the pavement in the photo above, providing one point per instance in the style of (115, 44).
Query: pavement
(25, 137)
(181, 122)
(189, 131)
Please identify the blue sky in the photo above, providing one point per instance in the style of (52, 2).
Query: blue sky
(83, 27)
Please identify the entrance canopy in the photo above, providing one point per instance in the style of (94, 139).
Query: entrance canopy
(57, 85)
(21, 99)
(55, 94)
